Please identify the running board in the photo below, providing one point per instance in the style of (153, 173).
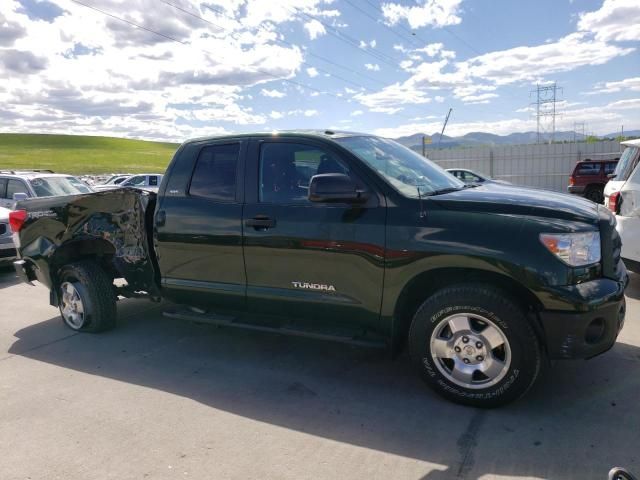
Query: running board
(289, 330)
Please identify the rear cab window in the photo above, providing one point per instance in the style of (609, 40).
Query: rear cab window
(215, 173)
(55, 186)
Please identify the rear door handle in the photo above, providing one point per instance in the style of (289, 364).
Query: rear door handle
(260, 222)
(161, 218)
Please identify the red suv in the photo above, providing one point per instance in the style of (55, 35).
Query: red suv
(589, 178)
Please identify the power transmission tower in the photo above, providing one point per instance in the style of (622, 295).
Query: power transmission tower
(546, 98)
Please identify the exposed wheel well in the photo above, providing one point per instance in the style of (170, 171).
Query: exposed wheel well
(98, 250)
(425, 284)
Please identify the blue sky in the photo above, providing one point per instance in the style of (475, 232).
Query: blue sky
(393, 67)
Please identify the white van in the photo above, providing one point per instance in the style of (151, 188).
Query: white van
(622, 197)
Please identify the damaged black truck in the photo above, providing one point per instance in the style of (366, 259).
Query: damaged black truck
(346, 237)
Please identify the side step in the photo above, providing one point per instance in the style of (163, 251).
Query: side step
(193, 315)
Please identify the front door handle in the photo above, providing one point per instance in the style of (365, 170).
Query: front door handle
(260, 222)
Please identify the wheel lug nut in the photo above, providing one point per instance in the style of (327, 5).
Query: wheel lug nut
(478, 344)
(480, 358)
(457, 349)
(465, 339)
(466, 360)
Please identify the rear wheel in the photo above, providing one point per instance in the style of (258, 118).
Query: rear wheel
(595, 194)
(86, 298)
(474, 345)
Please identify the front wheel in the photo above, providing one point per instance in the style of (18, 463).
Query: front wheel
(86, 298)
(474, 346)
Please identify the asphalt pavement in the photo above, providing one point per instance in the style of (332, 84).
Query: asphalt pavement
(159, 398)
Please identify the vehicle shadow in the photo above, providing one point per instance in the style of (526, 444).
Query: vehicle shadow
(579, 420)
(633, 290)
(8, 276)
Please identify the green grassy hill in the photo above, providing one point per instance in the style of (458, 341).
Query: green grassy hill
(81, 154)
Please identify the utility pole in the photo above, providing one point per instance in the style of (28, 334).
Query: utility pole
(446, 120)
(546, 97)
(576, 126)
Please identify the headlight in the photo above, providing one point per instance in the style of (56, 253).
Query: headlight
(575, 249)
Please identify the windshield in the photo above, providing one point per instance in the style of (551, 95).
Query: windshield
(403, 168)
(54, 186)
(626, 164)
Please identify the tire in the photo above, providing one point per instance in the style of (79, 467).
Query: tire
(86, 297)
(493, 318)
(595, 194)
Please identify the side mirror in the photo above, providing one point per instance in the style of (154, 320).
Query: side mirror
(334, 187)
(611, 175)
(18, 197)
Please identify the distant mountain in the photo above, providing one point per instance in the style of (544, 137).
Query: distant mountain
(475, 139)
(630, 133)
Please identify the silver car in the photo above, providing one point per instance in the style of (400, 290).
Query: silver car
(7, 248)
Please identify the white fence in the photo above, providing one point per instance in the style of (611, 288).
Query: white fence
(542, 166)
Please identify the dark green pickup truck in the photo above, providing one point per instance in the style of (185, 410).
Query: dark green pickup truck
(346, 237)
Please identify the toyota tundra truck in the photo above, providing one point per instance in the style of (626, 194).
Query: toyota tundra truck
(346, 237)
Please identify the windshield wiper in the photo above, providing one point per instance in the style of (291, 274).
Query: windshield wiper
(442, 191)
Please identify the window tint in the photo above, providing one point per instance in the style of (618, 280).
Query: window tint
(609, 167)
(153, 181)
(54, 186)
(286, 170)
(215, 174)
(16, 186)
(3, 188)
(589, 169)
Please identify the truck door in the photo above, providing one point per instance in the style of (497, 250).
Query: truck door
(309, 260)
(199, 227)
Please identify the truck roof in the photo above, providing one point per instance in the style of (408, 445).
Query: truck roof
(325, 134)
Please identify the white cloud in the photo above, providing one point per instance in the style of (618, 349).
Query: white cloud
(312, 72)
(481, 98)
(372, 66)
(616, 20)
(389, 99)
(436, 13)
(83, 72)
(431, 49)
(626, 85)
(314, 29)
(272, 93)
(356, 113)
(528, 63)
(293, 113)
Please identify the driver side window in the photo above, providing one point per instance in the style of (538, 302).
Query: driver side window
(286, 170)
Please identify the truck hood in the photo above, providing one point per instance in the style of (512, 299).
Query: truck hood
(515, 200)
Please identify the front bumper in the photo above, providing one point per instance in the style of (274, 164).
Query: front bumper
(592, 324)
